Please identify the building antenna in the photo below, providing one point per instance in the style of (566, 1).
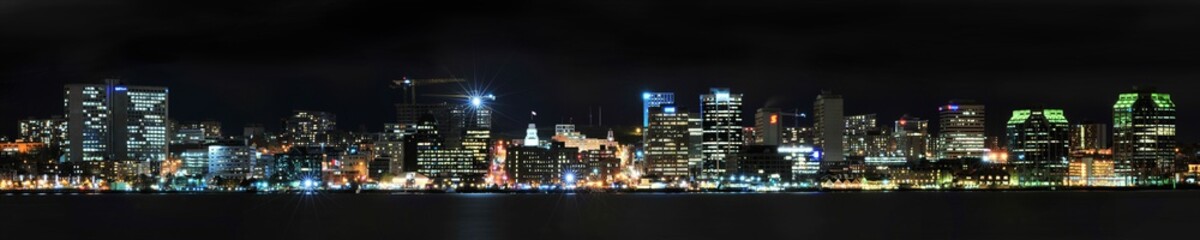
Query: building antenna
(601, 116)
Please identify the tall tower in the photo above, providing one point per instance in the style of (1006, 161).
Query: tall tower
(653, 100)
(829, 124)
(114, 121)
(961, 128)
(1038, 144)
(667, 142)
(721, 119)
(1144, 135)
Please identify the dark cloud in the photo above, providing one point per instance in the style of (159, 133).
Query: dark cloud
(255, 62)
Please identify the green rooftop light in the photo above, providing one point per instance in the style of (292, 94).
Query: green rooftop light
(1162, 100)
(1055, 115)
(1125, 100)
(1019, 116)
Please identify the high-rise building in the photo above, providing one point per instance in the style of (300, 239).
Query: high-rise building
(961, 130)
(310, 128)
(695, 144)
(721, 118)
(829, 125)
(667, 142)
(653, 100)
(453, 119)
(46, 131)
(1089, 135)
(426, 153)
(857, 140)
(114, 121)
(1038, 145)
(912, 138)
(767, 127)
(1144, 135)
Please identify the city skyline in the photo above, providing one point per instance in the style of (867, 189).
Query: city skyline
(994, 127)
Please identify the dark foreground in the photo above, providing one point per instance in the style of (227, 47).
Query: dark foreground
(849, 215)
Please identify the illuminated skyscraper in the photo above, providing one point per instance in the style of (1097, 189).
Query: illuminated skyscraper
(721, 118)
(830, 125)
(961, 129)
(857, 140)
(46, 131)
(309, 128)
(652, 100)
(767, 126)
(1144, 135)
(114, 121)
(1038, 145)
(667, 142)
(1089, 135)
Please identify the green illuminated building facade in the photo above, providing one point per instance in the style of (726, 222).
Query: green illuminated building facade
(1144, 136)
(1038, 145)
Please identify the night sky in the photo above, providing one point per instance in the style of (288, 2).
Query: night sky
(255, 63)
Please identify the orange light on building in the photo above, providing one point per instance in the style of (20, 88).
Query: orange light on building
(774, 119)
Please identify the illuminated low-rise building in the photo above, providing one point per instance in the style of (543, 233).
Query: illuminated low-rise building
(763, 162)
(1093, 168)
(231, 161)
(536, 165)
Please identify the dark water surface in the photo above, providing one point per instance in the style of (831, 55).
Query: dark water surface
(902, 215)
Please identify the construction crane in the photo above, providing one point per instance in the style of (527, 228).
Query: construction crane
(410, 85)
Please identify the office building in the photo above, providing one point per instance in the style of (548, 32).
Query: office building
(829, 125)
(768, 128)
(1039, 145)
(231, 160)
(114, 121)
(535, 165)
(50, 132)
(667, 140)
(310, 128)
(857, 140)
(1144, 136)
(1089, 135)
(961, 130)
(912, 138)
(653, 100)
(721, 119)
(763, 163)
(602, 164)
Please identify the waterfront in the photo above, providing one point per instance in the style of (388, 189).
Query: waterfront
(853, 215)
